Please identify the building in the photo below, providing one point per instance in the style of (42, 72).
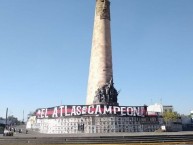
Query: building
(168, 108)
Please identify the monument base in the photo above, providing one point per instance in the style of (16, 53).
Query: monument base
(98, 118)
(96, 124)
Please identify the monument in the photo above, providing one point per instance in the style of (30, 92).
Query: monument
(100, 83)
(102, 113)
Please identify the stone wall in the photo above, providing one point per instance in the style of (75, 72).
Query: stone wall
(97, 124)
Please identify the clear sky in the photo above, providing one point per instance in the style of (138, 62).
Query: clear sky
(45, 51)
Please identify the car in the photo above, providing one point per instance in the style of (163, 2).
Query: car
(7, 133)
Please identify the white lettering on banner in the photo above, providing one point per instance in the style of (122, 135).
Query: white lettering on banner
(135, 111)
(61, 111)
(123, 109)
(107, 110)
(98, 109)
(66, 111)
(78, 108)
(143, 111)
(46, 113)
(116, 109)
(73, 111)
(55, 113)
(130, 111)
(42, 113)
(38, 113)
(84, 108)
(89, 110)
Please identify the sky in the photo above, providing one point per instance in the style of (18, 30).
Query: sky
(45, 52)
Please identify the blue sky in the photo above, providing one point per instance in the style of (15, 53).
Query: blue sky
(45, 51)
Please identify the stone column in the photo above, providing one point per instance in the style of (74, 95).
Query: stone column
(100, 73)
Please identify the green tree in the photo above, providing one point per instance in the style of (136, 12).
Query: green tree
(170, 116)
(13, 120)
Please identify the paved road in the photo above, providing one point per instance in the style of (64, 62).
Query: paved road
(32, 133)
(32, 137)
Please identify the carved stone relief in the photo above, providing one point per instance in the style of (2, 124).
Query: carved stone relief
(106, 94)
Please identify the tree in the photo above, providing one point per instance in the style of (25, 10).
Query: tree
(170, 116)
(13, 120)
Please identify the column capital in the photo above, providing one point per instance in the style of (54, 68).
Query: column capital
(103, 9)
